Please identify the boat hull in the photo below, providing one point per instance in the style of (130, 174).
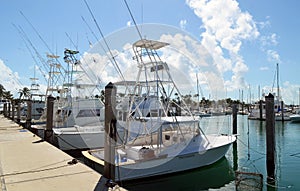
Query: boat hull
(295, 118)
(177, 164)
(76, 140)
(160, 166)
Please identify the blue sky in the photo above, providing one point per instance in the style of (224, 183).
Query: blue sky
(246, 38)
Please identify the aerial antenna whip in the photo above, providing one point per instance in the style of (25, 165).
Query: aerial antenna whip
(133, 19)
(105, 42)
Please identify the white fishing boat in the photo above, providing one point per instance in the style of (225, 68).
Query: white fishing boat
(158, 139)
(78, 119)
(80, 126)
(295, 117)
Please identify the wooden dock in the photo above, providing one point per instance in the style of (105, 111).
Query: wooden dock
(27, 163)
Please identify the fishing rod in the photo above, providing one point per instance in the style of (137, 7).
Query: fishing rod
(44, 63)
(38, 34)
(40, 37)
(94, 35)
(36, 62)
(131, 15)
(112, 57)
(28, 42)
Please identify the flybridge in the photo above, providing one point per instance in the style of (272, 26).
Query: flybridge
(150, 44)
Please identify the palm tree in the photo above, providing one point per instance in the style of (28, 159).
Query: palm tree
(2, 90)
(25, 93)
(7, 95)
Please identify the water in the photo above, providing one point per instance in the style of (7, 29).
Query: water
(250, 157)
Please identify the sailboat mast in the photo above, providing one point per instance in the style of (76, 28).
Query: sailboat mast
(299, 98)
(198, 88)
(277, 68)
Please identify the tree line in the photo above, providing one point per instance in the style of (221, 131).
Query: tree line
(5, 94)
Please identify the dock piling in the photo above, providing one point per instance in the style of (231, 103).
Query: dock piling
(260, 110)
(270, 136)
(49, 125)
(234, 132)
(282, 111)
(110, 131)
(234, 119)
(5, 110)
(9, 110)
(18, 111)
(28, 117)
(13, 110)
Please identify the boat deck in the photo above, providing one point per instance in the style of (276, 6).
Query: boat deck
(28, 163)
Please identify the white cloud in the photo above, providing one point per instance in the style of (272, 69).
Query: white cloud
(269, 40)
(273, 39)
(194, 58)
(182, 24)
(9, 79)
(290, 93)
(128, 23)
(226, 26)
(273, 56)
(264, 24)
(264, 68)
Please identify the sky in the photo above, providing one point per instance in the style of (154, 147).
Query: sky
(246, 39)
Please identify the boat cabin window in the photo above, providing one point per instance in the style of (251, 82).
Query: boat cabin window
(88, 113)
(63, 112)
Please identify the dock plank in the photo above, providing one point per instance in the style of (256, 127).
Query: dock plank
(27, 163)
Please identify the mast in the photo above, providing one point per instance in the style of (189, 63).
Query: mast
(299, 98)
(277, 68)
(198, 91)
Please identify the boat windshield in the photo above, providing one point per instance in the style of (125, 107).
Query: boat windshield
(88, 113)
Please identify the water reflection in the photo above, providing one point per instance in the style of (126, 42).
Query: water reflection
(213, 176)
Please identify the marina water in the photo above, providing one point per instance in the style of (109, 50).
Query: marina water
(250, 157)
